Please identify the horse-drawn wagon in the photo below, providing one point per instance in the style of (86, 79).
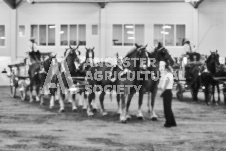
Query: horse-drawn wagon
(19, 78)
(187, 72)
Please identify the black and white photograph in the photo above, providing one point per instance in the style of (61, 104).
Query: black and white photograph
(112, 75)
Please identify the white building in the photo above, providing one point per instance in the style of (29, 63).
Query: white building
(111, 26)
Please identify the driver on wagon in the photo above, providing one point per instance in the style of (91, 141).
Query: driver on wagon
(191, 58)
(34, 54)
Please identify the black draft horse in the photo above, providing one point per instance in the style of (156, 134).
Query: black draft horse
(68, 70)
(213, 65)
(83, 68)
(34, 68)
(193, 72)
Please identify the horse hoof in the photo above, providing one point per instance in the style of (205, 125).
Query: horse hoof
(140, 118)
(123, 121)
(128, 117)
(31, 101)
(62, 111)
(154, 118)
(51, 107)
(94, 110)
(90, 114)
(42, 104)
(84, 110)
(74, 110)
(104, 113)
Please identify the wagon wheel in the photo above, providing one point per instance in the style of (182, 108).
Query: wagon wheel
(179, 92)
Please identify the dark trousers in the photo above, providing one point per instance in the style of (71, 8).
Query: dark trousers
(167, 104)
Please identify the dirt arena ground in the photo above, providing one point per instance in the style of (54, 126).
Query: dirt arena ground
(25, 126)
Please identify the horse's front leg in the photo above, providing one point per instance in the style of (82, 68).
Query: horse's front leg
(213, 93)
(84, 100)
(91, 97)
(149, 102)
(41, 97)
(140, 102)
(102, 110)
(129, 99)
(31, 92)
(61, 101)
(123, 108)
(118, 102)
(218, 91)
(53, 93)
(73, 100)
(153, 115)
(37, 90)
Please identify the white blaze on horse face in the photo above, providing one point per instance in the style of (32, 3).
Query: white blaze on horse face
(90, 55)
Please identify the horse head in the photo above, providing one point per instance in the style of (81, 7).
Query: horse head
(143, 57)
(135, 55)
(213, 62)
(71, 55)
(90, 53)
(46, 63)
(163, 55)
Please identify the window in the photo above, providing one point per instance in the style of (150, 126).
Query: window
(139, 34)
(117, 35)
(158, 37)
(21, 30)
(44, 35)
(2, 35)
(64, 35)
(82, 35)
(180, 30)
(169, 35)
(169, 38)
(128, 34)
(51, 35)
(94, 30)
(34, 32)
(73, 35)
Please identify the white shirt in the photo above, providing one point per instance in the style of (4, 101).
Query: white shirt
(35, 47)
(167, 76)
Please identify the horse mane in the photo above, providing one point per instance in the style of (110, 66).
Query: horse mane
(209, 58)
(66, 52)
(131, 52)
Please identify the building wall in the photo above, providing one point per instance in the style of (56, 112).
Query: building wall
(212, 26)
(5, 19)
(58, 14)
(147, 14)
